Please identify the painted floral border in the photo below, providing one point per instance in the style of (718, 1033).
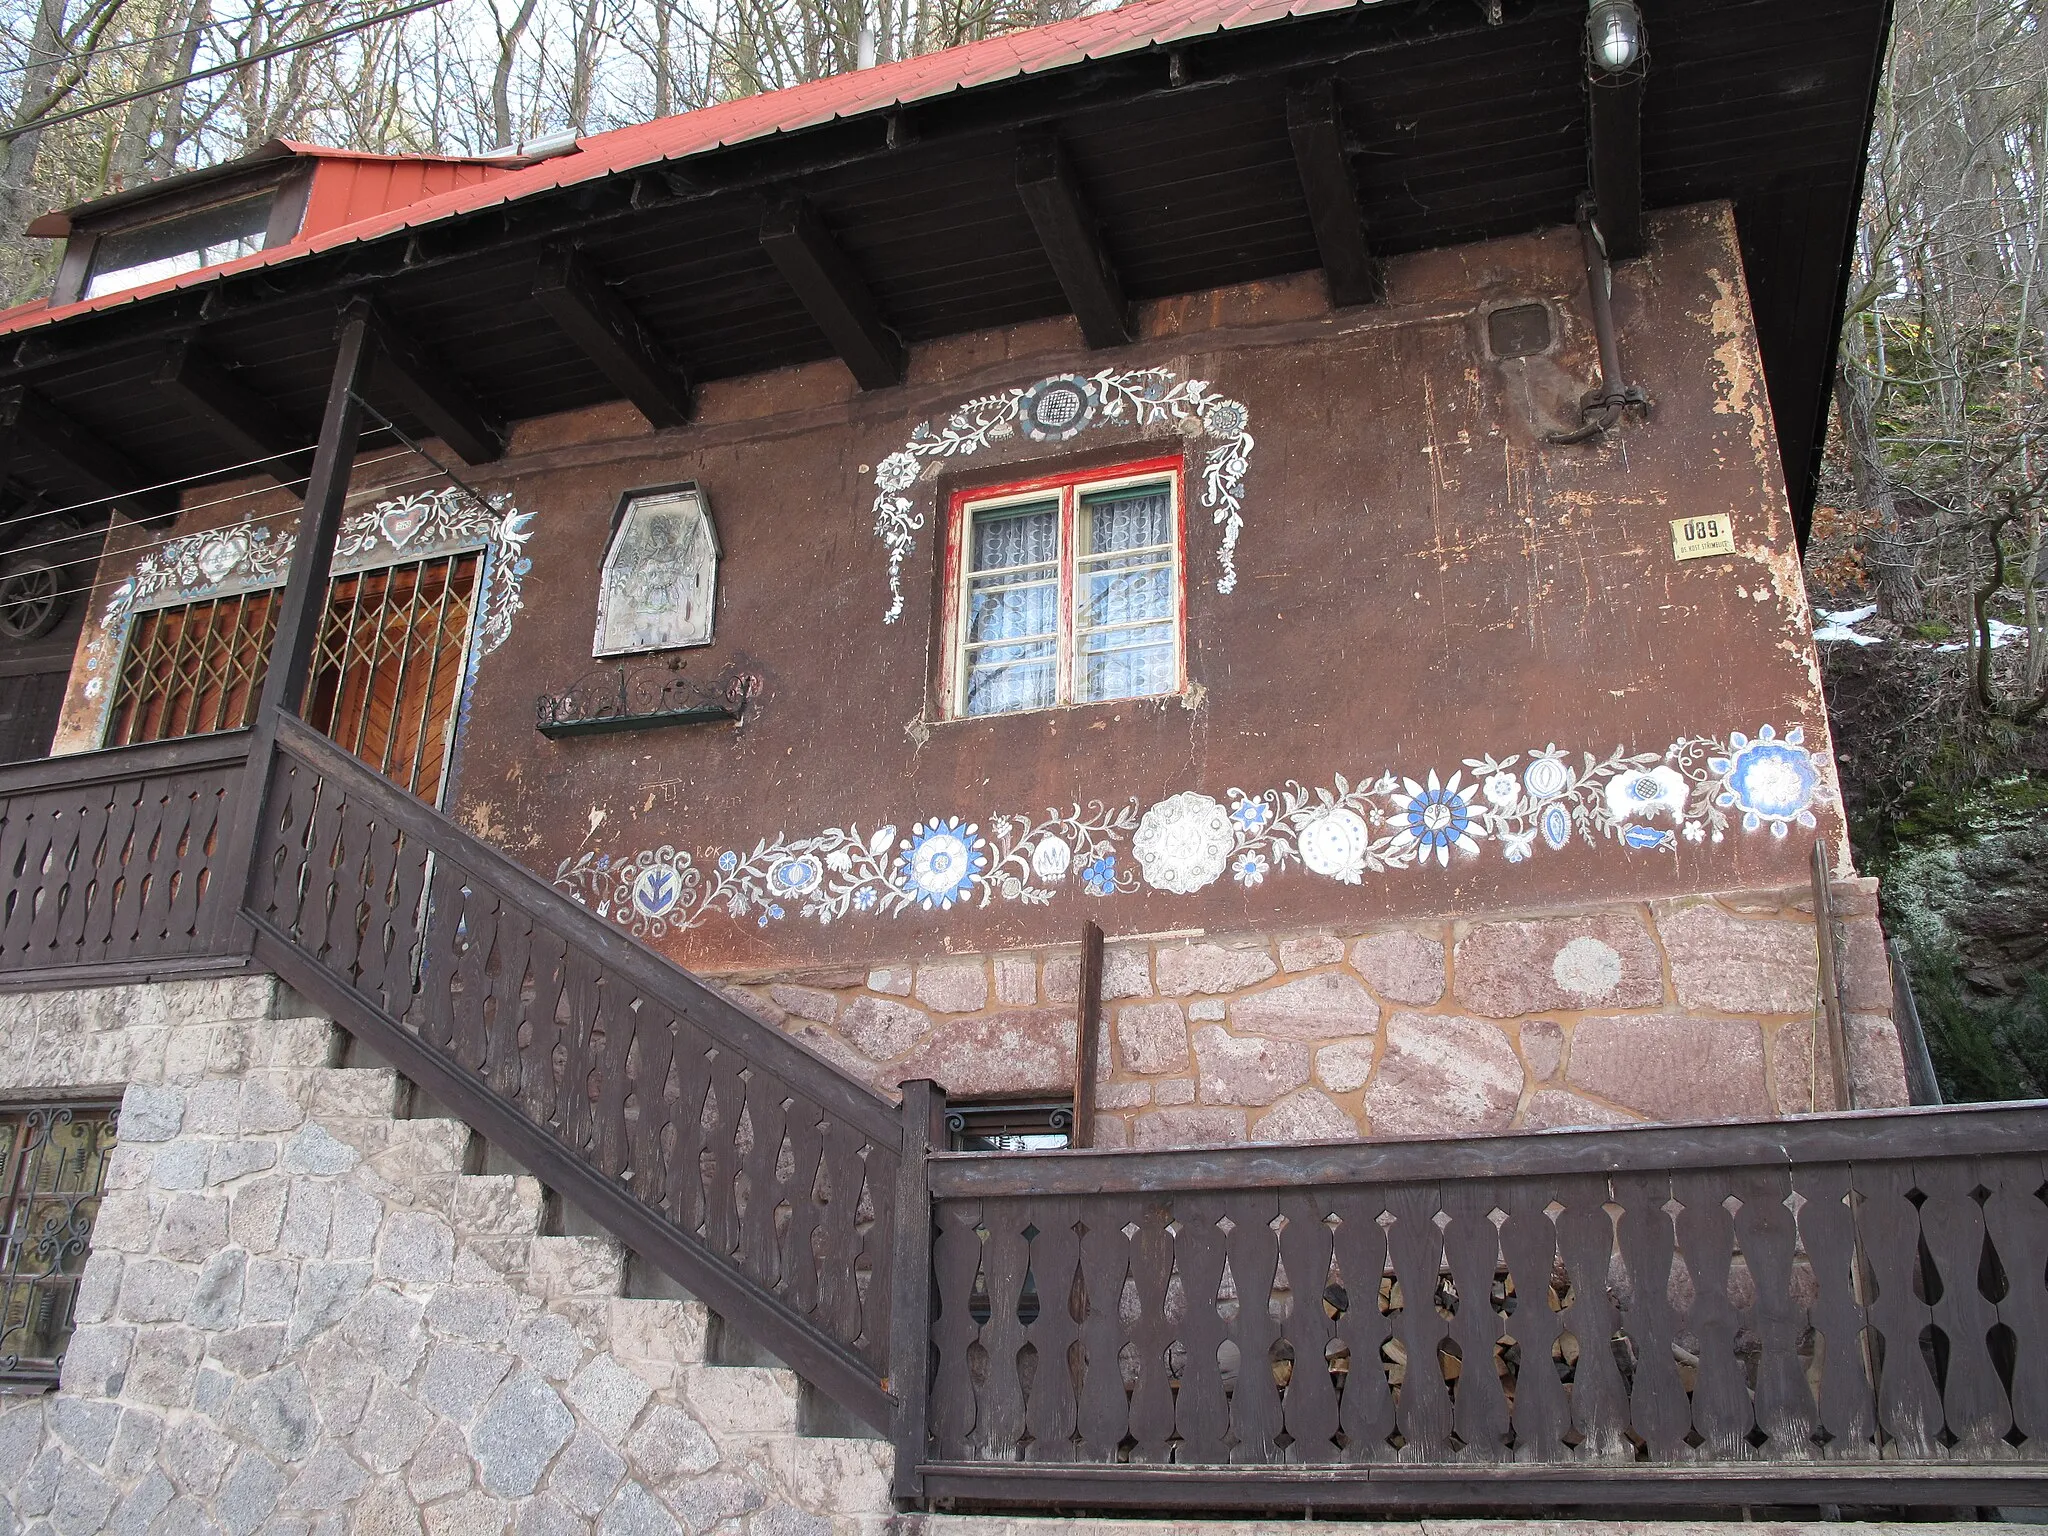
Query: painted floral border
(1525, 803)
(1143, 397)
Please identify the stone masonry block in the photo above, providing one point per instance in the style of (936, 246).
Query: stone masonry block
(415, 1246)
(1189, 1127)
(1442, 1075)
(894, 981)
(1866, 974)
(1305, 951)
(814, 1003)
(1729, 964)
(1554, 1109)
(1017, 980)
(519, 1434)
(1345, 1066)
(1403, 967)
(195, 1227)
(1211, 968)
(1542, 1048)
(1240, 1071)
(1126, 972)
(573, 1267)
(151, 1114)
(1027, 1051)
(1877, 1062)
(880, 1029)
(1673, 1066)
(1152, 1037)
(735, 1402)
(1305, 1115)
(953, 986)
(1601, 960)
(608, 1397)
(1329, 1006)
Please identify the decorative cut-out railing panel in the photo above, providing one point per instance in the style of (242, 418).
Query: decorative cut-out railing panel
(1587, 1315)
(107, 860)
(705, 1139)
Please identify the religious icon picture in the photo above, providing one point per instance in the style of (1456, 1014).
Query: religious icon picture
(660, 578)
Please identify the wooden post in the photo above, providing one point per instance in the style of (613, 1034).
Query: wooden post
(910, 1300)
(1830, 983)
(303, 608)
(1087, 1036)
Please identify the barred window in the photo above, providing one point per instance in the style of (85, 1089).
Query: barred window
(53, 1169)
(1067, 590)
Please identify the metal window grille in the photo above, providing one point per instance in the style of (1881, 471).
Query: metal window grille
(53, 1169)
(193, 669)
(388, 668)
(386, 678)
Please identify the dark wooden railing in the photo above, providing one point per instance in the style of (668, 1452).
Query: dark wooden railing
(108, 861)
(1844, 1309)
(708, 1141)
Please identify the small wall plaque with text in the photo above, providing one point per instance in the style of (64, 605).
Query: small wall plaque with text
(1694, 538)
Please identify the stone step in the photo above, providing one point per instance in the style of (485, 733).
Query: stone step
(742, 1402)
(576, 1268)
(843, 1476)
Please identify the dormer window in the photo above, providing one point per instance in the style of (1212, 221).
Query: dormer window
(205, 237)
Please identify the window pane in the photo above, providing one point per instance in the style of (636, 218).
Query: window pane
(51, 1193)
(1124, 631)
(205, 238)
(1012, 609)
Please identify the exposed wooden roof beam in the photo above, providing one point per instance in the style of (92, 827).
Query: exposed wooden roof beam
(27, 419)
(605, 329)
(1315, 127)
(410, 378)
(1072, 239)
(825, 282)
(1616, 113)
(241, 422)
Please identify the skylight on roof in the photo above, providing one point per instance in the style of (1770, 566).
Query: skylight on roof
(130, 258)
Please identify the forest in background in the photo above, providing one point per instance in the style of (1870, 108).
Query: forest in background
(458, 77)
(1928, 539)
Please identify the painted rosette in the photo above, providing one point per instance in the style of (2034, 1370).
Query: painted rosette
(940, 863)
(1546, 777)
(1770, 781)
(1184, 843)
(656, 890)
(1435, 818)
(1057, 409)
(1643, 793)
(795, 876)
(1334, 845)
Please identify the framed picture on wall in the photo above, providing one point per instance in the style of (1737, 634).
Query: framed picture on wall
(659, 584)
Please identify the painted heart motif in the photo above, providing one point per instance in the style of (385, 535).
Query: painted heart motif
(401, 521)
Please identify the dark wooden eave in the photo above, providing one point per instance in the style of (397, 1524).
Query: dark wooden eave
(1454, 131)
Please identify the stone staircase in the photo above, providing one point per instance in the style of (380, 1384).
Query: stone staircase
(314, 1305)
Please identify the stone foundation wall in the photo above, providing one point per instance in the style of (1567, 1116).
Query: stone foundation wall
(302, 1314)
(1703, 1008)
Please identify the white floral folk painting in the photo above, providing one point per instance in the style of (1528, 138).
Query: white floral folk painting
(1055, 410)
(1521, 806)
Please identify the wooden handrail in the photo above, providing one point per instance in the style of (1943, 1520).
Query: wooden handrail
(1952, 1130)
(115, 765)
(707, 1008)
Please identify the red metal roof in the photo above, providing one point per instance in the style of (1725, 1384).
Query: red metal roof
(1137, 25)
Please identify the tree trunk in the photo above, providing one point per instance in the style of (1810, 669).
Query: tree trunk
(1885, 552)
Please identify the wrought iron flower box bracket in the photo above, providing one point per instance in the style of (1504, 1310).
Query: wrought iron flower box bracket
(640, 699)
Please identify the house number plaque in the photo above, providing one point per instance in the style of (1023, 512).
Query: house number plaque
(1694, 538)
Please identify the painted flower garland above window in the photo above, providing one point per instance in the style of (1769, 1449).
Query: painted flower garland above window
(1056, 410)
(248, 556)
(1189, 841)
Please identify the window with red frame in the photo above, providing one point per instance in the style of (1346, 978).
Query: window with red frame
(1066, 590)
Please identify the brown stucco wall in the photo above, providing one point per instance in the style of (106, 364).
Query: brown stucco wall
(1422, 583)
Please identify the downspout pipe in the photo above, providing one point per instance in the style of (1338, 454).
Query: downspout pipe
(1601, 408)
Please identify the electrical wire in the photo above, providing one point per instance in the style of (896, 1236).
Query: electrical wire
(197, 506)
(8, 135)
(110, 583)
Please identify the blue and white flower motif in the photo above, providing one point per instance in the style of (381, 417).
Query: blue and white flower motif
(1099, 878)
(864, 899)
(1518, 845)
(794, 876)
(1546, 777)
(1642, 793)
(1249, 870)
(1648, 837)
(1503, 790)
(1251, 815)
(940, 862)
(656, 890)
(773, 913)
(728, 862)
(1433, 820)
(1555, 824)
(1768, 780)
